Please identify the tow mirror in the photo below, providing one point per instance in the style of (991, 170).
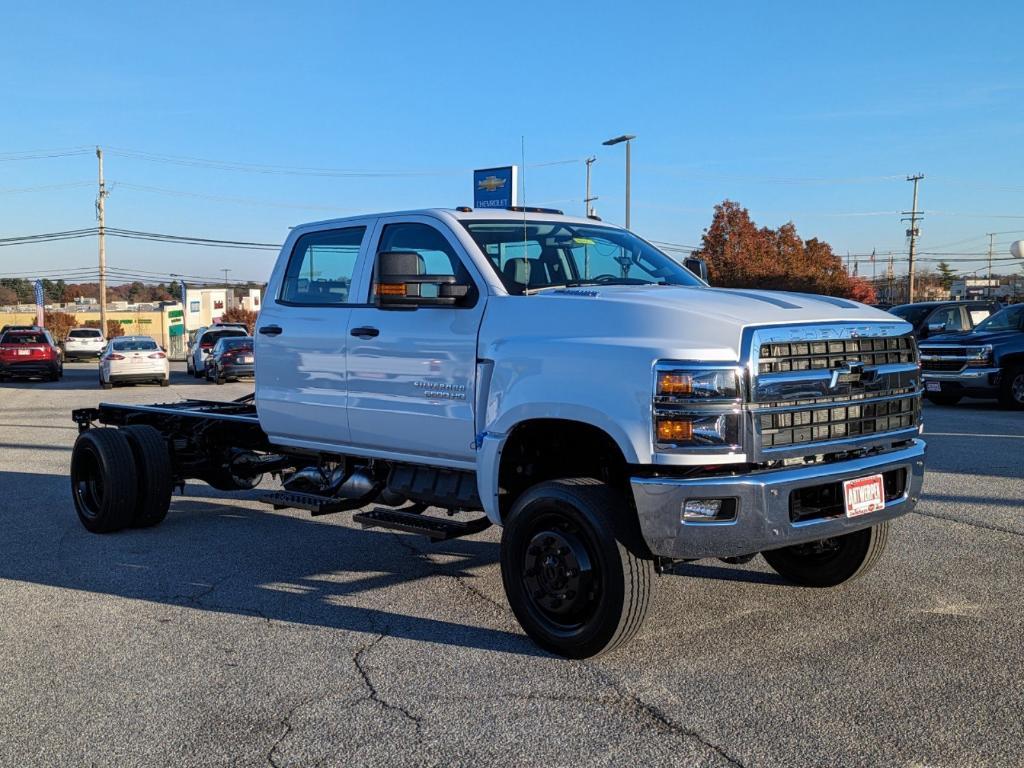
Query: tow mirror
(400, 281)
(699, 267)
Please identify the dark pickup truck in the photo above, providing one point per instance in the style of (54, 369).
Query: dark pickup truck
(934, 317)
(987, 362)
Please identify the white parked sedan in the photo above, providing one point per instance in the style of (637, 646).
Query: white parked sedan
(134, 359)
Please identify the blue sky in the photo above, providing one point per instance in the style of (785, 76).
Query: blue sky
(810, 112)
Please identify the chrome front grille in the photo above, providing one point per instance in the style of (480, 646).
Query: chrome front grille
(829, 388)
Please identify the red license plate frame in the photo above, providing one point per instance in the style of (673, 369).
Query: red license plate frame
(863, 495)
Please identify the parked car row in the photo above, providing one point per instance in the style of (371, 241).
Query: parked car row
(219, 353)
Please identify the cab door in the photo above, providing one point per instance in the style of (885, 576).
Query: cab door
(302, 337)
(412, 372)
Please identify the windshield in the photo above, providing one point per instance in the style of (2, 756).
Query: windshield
(236, 343)
(212, 337)
(1009, 319)
(912, 313)
(544, 254)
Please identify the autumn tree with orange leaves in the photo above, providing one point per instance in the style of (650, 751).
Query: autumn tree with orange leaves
(740, 254)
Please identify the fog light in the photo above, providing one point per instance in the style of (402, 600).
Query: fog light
(707, 510)
(674, 430)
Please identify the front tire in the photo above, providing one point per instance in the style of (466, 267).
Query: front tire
(943, 399)
(575, 573)
(1011, 389)
(830, 562)
(104, 482)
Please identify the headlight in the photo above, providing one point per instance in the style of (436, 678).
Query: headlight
(697, 385)
(696, 406)
(979, 355)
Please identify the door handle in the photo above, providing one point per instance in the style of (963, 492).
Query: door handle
(365, 332)
(271, 330)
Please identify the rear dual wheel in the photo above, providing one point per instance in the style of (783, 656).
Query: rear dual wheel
(120, 478)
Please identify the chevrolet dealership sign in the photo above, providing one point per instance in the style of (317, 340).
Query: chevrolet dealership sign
(495, 187)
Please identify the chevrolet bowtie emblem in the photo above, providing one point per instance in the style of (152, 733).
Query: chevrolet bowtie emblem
(491, 183)
(848, 372)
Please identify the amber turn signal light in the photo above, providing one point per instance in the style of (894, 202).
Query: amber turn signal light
(674, 430)
(670, 383)
(391, 289)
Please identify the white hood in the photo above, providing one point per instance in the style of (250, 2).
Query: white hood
(675, 320)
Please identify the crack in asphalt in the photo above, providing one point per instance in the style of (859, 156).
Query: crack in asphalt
(633, 701)
(373, 695)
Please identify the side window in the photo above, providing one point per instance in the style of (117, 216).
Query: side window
(321, 267)
(977, 315)
(437, 256)
(950, 317)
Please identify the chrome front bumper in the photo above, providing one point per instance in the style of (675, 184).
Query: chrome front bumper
(968, 378)
(762, 519)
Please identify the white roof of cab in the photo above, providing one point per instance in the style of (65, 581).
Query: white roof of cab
(477, 214)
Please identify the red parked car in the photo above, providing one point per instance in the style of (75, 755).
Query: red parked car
(30, 354)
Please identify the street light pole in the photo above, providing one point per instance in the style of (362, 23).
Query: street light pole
(628, 139)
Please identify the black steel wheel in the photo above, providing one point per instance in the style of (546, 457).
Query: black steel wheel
(155, 477)
(575, 574)
(830, 562)
(1011, 388)
(104, 484)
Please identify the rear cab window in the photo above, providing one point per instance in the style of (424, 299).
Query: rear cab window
(321, 268)
(135, 345)
(84, 333)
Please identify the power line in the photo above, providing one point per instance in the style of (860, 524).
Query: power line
(263, 168)
(42, 154)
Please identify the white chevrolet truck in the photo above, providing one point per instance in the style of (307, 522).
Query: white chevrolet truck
(440, 371)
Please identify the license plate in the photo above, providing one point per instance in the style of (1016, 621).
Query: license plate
(933, 386)
(24, 352)
(246, 359)
(137, 360)
(863, 495)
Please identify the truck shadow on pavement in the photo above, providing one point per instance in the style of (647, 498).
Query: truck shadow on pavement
(224, 557)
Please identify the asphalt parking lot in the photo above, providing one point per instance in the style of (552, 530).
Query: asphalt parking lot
(236, 635)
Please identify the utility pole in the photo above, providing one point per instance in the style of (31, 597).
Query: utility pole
(912, 233)
(225, 271)
(990, 291)
(100, 216)
(587, 199)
